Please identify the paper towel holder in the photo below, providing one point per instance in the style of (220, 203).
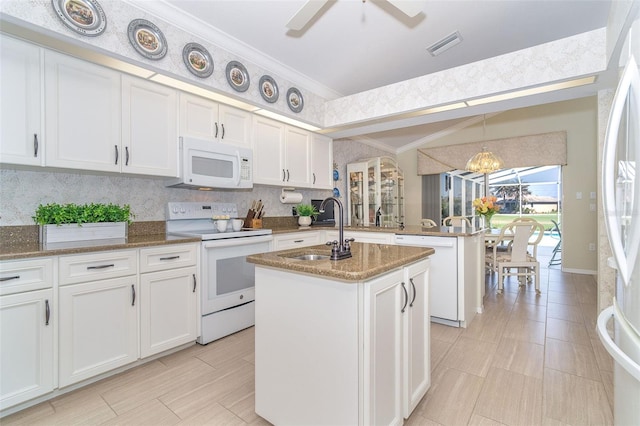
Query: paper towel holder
(289, 196)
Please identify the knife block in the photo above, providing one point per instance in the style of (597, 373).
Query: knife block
(256, 223)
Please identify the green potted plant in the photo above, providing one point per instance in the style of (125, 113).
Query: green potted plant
(305, 212)
(61, 223)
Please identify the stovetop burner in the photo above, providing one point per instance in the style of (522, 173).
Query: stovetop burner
(195, 219)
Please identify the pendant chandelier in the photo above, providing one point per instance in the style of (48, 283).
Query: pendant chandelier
(484, 162)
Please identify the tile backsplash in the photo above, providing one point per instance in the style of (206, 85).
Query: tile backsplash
(22, 191)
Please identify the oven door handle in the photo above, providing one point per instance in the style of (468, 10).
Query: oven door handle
(241, 241)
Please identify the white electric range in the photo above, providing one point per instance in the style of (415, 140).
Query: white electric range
(227, 292)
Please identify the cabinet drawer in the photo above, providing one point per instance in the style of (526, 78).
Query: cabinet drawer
(97, 266)
(296, 239)
(25, 275)
(167, 257)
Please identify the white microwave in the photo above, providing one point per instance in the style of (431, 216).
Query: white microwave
(208, 165)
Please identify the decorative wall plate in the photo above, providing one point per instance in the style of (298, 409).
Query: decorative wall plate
(147, 39)
(237, 76)
(294, 100)
(85, 17)
(269, 89)
(198, 60)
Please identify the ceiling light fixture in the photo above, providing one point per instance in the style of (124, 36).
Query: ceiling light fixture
(484, 162)
(445, 44)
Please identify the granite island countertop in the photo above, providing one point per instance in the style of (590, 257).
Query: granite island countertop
(367, 261)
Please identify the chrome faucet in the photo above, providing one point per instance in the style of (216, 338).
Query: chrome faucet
(341, 249)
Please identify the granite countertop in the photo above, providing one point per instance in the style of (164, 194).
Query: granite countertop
(34, 249)
(442, 231)
(368, 261)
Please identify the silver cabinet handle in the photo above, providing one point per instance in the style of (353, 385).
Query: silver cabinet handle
(406, 297)
(413, 286)
(194, 283)
(47, 312)
(222, 131)
(287, 175)
(111, 265)
(35, 144)
(314, 178)
(14, 277)
(283, 175)
(133, 295)
(170, 258)
(216, 136)
(116, 153)
(126, 151)
(298, 241)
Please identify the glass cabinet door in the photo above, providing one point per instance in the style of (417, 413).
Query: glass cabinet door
(376, 191)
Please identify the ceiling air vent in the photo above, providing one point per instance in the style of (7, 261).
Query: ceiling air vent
(445, 44)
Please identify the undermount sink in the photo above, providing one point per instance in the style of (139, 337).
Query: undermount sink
(310, 257)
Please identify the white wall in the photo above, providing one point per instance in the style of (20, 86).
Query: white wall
(579, 119)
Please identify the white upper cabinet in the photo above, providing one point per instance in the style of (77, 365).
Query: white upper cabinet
(20, 118)
(205, 119)
(149, 128)
(289, 156)
(321, 162)
(82, 110)
(268, 151)
(297, 156)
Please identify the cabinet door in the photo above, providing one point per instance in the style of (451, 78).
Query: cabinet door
(98, 328)
(268, 152)
(297, 156)
(20, 119)
(168, 302)
(235, 126)
(385, 298)
(296, 239)
(417, 361)
(149, 128)
(321, 162)
(26, 346)
(198, 117)
(82, 110)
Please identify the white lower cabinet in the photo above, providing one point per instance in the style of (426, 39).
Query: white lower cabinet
(168, 298)
(98, 327)
(296, 239)
(416, 337)
(363, 236)
(27, 322)
(98, 310)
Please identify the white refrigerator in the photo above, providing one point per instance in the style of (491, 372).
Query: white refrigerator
(621, 198)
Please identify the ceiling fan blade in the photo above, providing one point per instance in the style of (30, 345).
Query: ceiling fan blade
(408, 7)
(305, 14)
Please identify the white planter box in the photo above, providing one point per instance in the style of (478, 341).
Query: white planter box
(50, 234)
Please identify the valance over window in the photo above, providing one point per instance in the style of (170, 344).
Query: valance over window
(545, 149)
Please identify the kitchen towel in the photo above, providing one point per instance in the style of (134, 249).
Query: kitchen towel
(288, 196)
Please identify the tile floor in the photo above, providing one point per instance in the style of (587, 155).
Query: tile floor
(527, 360)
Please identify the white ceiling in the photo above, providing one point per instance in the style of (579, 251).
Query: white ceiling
(353, 46)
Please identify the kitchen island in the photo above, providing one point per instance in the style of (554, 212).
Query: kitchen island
(342, 342)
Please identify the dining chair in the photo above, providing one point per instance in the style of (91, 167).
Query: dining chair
(456, 221)
(428, 223)
(520, 258)
(556, 258)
